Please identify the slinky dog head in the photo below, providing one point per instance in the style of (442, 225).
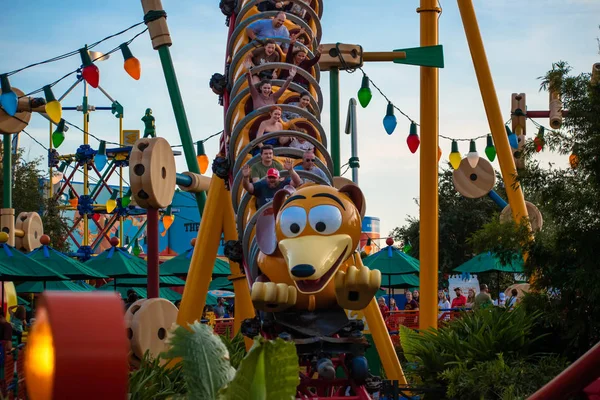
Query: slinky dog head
(317, 228)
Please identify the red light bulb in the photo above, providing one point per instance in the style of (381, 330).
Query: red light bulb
(539, 143)
(413, 142)
(91, 74)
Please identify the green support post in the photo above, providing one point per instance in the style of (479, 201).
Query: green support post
(334, 92)
(181, 118)
(7, 192)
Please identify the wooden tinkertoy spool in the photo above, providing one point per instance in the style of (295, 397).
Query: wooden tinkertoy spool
(535, 216)
(474, 182)
(25, 232)
(147, 322)
(152, 173)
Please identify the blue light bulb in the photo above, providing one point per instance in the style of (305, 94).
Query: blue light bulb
(8, 99)
(512, 138)
(389, 121)
(100, 158)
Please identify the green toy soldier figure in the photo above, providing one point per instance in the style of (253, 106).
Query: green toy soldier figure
(148, 119)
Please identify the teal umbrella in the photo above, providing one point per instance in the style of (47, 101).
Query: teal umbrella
(489, 262)
(117, 263)
(16, 266)
(220, 284)
(406, 281)
(180, 265)
(67, 266)
(38, 287)
(164, 281)
(391, 261)
(165, 293)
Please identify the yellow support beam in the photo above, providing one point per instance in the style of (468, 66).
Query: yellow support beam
(428, 241)
(492, 109)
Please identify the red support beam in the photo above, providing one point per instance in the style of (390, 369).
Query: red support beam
(152, 253)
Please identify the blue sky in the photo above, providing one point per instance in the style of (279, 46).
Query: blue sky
(522, 39)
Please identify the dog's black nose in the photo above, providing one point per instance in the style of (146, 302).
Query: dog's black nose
(303, 270)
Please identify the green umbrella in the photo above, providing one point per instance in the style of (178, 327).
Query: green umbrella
(117, 263)
(164, 281)
(488, 262)
(406, 281)
(391, 261)
(16, 266)
(38, 287)
(65, 265)
(220, 284)
(180, 265)
(165, 293)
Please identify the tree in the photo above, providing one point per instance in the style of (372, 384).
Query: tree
(459, 217)
(28, 195)
(563, 256)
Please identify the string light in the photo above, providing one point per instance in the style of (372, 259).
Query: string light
(53, 107)
(490, 150)
(389, 121)
(364, 93)
(168, 218)
(59, 134)
(455, 157)
(100, 158)
(413, 140)
(539, 140)
(73, 200)
(8, 99)
(90, 71)
(59, 174)
(111, 203)
(132, 65)
(473, 156)
(201, 157)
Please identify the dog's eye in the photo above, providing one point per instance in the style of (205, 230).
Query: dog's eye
(292, 221)
(325, 219)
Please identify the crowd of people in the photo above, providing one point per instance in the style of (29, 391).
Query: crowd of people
(461, 302)
(269, 34)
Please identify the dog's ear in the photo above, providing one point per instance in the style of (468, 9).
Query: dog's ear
(265, 232)
(280, 198)
(356, 196)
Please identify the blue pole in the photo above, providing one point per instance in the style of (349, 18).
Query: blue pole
(497, 199)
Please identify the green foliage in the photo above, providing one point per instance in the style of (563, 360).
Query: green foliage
(459, 217)
(205, 360)
(236, 348)
(153, 381)
(207, 367)
(503, 239)
(475, 337)
(497, 379)
(251, 382)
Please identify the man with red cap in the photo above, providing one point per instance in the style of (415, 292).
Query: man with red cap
(264, 190)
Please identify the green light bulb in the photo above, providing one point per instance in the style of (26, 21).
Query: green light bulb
(59, 134)
(490, 150)
(364, 93)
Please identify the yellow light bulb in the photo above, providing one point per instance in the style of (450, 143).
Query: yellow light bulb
(203, 162)
(455, 160)
(54, 111)
(39, 359)
(168, 221)
(111, 204)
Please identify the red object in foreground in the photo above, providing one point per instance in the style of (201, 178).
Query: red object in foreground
(152, 235)
(389, 241)
(87, 356)
(91, 74)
